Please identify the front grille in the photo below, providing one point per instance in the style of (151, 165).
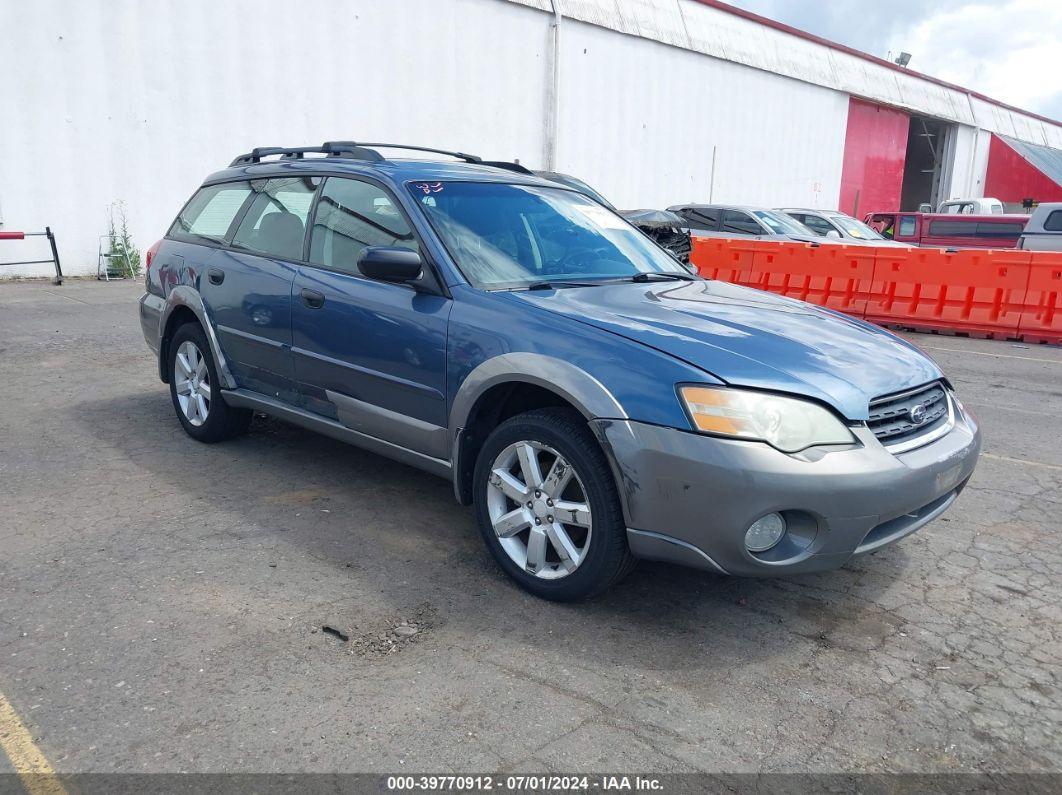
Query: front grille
(896, 419)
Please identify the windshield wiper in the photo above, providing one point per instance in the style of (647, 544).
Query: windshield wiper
(645, 277)
(555, 285)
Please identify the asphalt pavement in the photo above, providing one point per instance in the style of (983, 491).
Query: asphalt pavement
(162, 601)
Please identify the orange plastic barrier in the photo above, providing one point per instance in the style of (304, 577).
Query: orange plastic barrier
(1041, 317)
(1006, 293)
(973, 290)
(724, 259)
(839, 277)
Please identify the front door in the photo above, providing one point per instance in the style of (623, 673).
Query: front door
(369, 354)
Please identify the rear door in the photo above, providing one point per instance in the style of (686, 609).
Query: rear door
(369, 354)
(247, 287)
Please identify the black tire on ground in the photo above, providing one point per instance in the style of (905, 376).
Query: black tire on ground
(608, 558)
(223, 421)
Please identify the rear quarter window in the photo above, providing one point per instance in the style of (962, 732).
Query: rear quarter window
(1053, 221)
(210, 212)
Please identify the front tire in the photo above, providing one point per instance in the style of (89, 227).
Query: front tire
(195, 389)
(547, 506)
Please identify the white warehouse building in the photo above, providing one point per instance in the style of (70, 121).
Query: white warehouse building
(652, 102)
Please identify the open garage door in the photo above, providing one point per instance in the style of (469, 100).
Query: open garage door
(929, 144)
(875, 146)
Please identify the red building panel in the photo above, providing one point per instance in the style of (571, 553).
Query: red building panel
(1011, 178)
(875, 147)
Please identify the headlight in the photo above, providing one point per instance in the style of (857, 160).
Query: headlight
(787, 423)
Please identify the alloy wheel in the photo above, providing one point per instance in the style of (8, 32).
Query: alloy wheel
(192, 382)
(542, 521)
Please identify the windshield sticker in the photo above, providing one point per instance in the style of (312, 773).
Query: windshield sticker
(601, 216)
(428, 187)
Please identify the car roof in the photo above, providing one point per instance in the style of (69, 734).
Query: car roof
(396, 169)
(744, 207)
(808, 210)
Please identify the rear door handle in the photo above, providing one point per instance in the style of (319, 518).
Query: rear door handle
(312, 298)
(216, 275)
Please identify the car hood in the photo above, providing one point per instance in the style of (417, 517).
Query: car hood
(751, 338)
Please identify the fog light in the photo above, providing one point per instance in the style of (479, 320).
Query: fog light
(765, 532)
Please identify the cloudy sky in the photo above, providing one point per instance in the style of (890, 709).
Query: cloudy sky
(1010, 50)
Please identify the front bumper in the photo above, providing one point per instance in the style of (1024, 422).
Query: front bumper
(689, 498)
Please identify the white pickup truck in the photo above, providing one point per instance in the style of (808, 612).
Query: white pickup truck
(1044, 230)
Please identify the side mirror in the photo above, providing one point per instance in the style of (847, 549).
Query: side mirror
(390, 264)
(833, 233)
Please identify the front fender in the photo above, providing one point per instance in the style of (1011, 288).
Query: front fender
(586, 393)
(185, 296)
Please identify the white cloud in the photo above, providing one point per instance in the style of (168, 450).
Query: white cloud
(1010, 50)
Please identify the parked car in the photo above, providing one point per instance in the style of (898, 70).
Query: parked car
(1043, 232)
(593, 400)
(666, 229)
(983, 206)
(949, 231)
(838, 226)
(717, 220)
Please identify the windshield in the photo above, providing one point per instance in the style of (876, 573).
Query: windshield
(781, 224)
(511, 236)
(854, 228)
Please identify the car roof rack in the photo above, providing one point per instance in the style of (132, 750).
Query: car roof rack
(459, 155)
(516, 167)
(346, 149)
(357, 150)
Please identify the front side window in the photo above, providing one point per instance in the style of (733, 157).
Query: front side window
(275, 223)
(211, 212)
(511, 236)
(854, 228)
(352, 215)
(740, 223)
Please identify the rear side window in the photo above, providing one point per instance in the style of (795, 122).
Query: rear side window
(740, 223)
(1000, 230)
(983, 229)
(820, 226)
(1053, 222)
(211, 212)
(951, 229)
(907, 226)
(352, 215)
(275, 223)
(704, 218)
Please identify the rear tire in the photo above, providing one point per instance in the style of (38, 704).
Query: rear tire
(561, 536)
(196, 391)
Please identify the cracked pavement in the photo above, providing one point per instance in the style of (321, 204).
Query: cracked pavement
(161, 600)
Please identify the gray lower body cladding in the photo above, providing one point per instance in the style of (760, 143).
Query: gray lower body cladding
(689, 498)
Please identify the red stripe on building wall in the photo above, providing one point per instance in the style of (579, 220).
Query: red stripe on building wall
(1011, 178)
(875, 147)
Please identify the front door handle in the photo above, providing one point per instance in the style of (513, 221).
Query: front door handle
(216, 275)
(312, 298)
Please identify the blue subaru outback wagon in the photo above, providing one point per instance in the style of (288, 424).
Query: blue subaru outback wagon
(593, 400)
